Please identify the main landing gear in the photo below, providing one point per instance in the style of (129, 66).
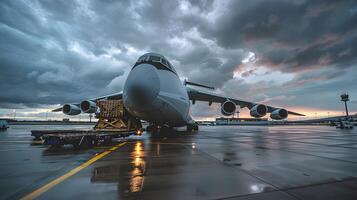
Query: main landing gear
(164, 130)
(157, 130)
(192, 127)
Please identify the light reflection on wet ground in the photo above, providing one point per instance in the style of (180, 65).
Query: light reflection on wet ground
(137, 175)
(282, 162)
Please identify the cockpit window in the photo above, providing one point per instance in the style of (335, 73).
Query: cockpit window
(164, 62)
(169, 64)
(155, 58)
(158, 61)
(141, 59)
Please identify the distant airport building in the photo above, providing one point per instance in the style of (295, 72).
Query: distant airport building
(329, 120)
(241, 121)
(233, 119)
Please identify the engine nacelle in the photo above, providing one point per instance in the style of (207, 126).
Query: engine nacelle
(88, 106)
(279, 114)
(228, 108)
(70, 109)
(258, 110)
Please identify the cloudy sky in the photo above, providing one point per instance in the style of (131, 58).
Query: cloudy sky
(294, 53)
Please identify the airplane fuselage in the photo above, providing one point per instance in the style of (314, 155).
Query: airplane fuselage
(153, 92)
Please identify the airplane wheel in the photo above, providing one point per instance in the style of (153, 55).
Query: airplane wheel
(153, 130)
(160, 131)
(192, 128)
(149, 128)
(195, 127)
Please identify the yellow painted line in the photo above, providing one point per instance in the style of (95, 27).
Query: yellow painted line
(113, 148)
(37, 142)
(48, 186)
(102, 147)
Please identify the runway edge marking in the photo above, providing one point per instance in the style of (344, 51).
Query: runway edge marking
(48, 186)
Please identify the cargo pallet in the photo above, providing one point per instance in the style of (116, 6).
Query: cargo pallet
(80, 139)
(113, 122)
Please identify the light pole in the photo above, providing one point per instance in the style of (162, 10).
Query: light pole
(345, 98)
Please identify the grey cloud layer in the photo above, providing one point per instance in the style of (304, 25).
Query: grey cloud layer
(292, 35)
(63, 51)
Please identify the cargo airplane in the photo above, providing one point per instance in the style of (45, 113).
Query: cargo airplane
(154, 92)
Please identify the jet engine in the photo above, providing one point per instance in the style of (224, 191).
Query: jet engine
(88, 106)
(70, 109)
(279, 114)
(228, 108)
(258, 110)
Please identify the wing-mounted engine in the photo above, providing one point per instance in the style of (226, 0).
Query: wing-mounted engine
(228, 108)
(71, 109)
(88, 106)
(259, 110)
(279, 114)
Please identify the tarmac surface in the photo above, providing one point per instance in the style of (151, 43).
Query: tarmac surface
(218, 162)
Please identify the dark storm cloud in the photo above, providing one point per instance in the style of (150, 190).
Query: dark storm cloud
(60, 51)
(291, 35)
(65, 51)
(45, 58)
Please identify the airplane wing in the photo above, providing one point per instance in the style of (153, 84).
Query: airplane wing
(118, 95)
(57, 109)
(198, 95)
(114, 96)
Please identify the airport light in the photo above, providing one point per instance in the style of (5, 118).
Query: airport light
(138, 132)
(345, 98)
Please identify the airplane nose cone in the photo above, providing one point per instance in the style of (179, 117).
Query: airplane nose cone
(141, 87)
(141, 94)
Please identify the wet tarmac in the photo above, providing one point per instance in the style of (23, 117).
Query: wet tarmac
(251, 162)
